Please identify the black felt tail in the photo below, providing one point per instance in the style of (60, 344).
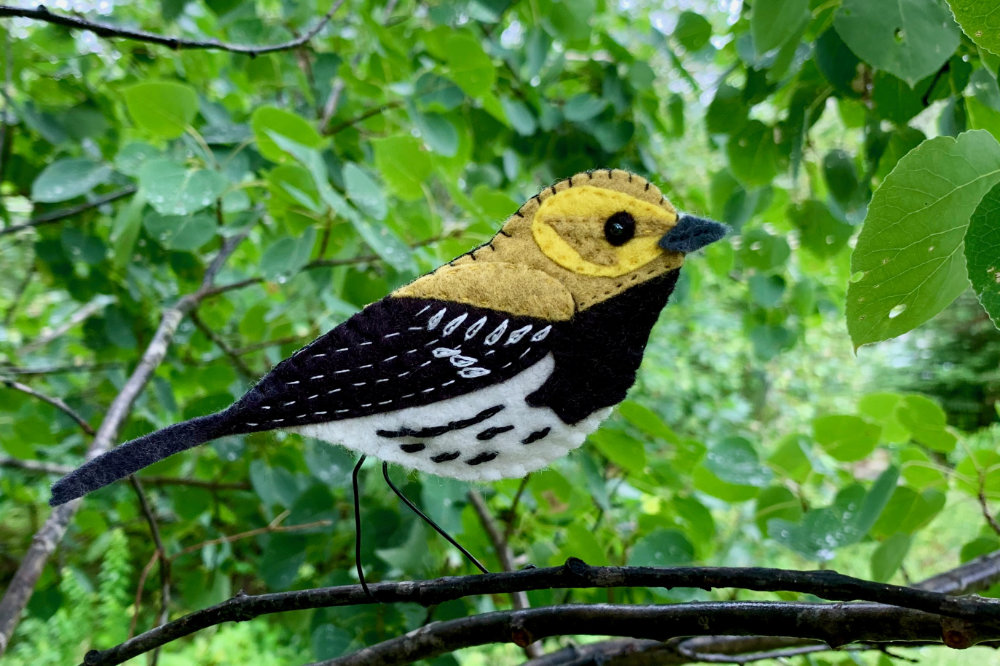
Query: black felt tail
(132, 456)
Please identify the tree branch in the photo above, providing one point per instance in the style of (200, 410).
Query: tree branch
(834, 624)
(48, 537)
(107, 31)
(160, 554)
(234, 359)
(63, 213)
(55, 402)
(576, 574)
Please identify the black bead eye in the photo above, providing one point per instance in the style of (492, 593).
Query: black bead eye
(619, 228)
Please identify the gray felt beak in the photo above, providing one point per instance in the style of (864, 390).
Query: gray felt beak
(692, 233)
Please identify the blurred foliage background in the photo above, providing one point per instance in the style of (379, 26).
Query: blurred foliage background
(399, 137)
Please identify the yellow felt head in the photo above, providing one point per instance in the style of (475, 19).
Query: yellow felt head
(553, 257)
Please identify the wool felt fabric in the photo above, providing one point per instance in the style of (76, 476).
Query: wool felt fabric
(490, 366)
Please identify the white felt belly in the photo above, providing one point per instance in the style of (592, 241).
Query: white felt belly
(489, 434)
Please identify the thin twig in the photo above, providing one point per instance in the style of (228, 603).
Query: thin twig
(19, 292)
(48, 537)
(511, 520)
(519, 599)
(63, 213)
(270, 529)
(79, 316)
(340, 127)
(140, 588)
(59, 369)
(984, 506)
(161, 554)
(237, 362)
(55, 402)
(41, 13)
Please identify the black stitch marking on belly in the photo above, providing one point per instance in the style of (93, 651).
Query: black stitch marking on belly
(537, 435)
(437, 431)
(412, 448)
(445, 457)
(490, 433)
(482, 457)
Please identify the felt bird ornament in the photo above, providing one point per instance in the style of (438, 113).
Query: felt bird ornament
(489, 367)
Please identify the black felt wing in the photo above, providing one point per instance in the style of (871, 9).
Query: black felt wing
(394, 354)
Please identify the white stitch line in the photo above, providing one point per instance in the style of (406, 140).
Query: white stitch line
(342, 349)
(364, 344)
(341, 411)
(416, 328)
(293, 383)
(252, 425)
(313, 397)
(277, 420)
(359, 384)
(523, 354)
(507, 365)
(403, 374)
(340, 372)
(366, 404)
(422, 310)
(390, 335)
(301, 416)
(385, 402)
(408, 395)
(379, 381)
(433, 342)
(318, 355)
(450, 381)
(386, 360)
(428, 390)
(290, 402)
(315, 377)
(425, 363)
(319, 413)
(266, 407)
(332, 391)
(366, 365)
(411, 351)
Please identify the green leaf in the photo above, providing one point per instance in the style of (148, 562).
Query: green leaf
(329, 641)
(662, 548)
(403, 165)
(163, 109)
(919, 470)
(734, 460)
(468, 64)
(766, 290)
(840, 175)
(910, 39)
(172, 189)
(926, 422)
(647, 421)
(439, 133)
(979, 471)
(790, 460)
(67, 179)
(764, 251)
(364, 192)
(845, 437)
(287, 256)
(180, 232)
(820, 231)
(753, 154)
(130, 159)
(888, 557)
(692, 31)
(978, 19)
(776, 502)
(909, 251)
(268, 120)
(520, 116)
(727, 112)
(881, 408)
(283, 555)
(584, 106)
(774, 22)
(621, 449)
(982, 253)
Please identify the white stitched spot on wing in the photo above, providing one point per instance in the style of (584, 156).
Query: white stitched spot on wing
(472, 373)
(462, 361)
(540, 335)
(454, 323)
(497, 333)
(516, 336)
(423, 310)
(445, 352)
(475, 328)
(436, 319)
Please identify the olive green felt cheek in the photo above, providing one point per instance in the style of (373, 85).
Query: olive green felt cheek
(586, 251)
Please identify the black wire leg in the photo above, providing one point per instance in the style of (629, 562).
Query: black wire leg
(357, 529)
(438, 528)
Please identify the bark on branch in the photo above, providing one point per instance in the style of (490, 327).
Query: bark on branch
(960, 611)
(107, 31)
